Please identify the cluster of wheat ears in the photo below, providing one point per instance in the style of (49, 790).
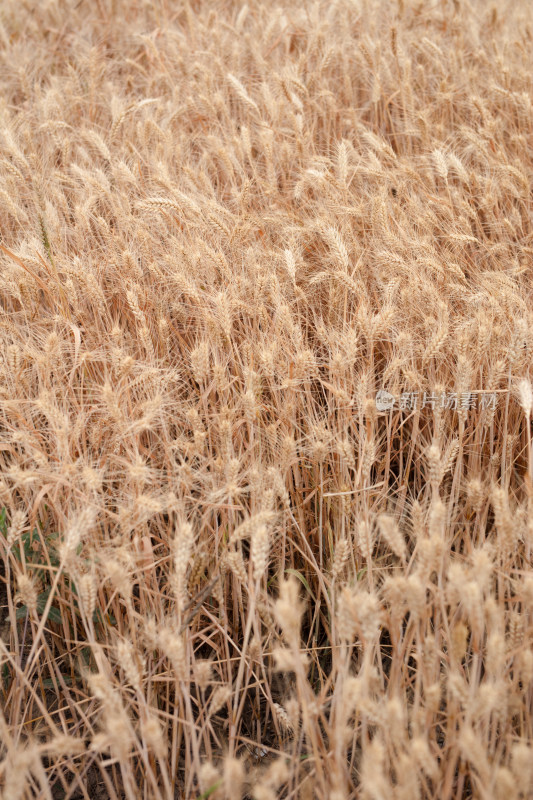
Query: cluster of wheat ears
(225, 227)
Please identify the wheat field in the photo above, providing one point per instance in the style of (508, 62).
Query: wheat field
(266, 478)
